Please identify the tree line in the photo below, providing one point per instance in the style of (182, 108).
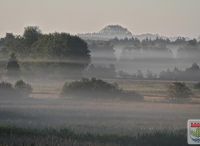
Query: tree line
(33, 43)
(158, 43)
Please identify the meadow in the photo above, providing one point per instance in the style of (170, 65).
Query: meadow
(40, 119)
(12, 136)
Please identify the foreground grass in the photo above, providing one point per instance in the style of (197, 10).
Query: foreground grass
(13, 136)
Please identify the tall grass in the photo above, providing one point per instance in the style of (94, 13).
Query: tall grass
(13, 136)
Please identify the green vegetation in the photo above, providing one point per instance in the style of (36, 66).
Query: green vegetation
(6, 89)
(13, 68)
(96, 88)
(21, 89)
(196, 132)
(37, 45)
(178, 90)
(34, 137)
(197, 86)
(43, 55)
(31, 35)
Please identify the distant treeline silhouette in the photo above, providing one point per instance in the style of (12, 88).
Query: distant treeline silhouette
(158, 43)
(130, 48)
(179, 48)
(191, 73)
(100, 71)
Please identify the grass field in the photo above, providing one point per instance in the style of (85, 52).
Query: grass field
(151, 90)
(11, 136)
(115, 120)
(98, 116)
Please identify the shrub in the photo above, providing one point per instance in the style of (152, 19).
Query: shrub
(5, 85)
(178, 90)
(96, 88)
(197, 86)
(89, 85)
(13, 67)
(23, 88)
(6, 89)
(93, 84)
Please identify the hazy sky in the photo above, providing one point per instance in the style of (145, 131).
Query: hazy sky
(166, 17)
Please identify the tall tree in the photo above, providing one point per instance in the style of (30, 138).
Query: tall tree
(13, 67)
(31, 35)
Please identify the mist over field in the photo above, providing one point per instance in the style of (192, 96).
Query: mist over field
(82, 73)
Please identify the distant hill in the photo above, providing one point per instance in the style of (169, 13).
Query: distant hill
(115, 31)
(107, 33)
(110, 32)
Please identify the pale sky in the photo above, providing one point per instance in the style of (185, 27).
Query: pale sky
(166, 17)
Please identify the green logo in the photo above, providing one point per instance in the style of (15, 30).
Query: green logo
(196, 132)
(193, 131)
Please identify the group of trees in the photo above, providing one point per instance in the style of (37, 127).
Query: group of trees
(139, 75)
(54, 45)
(45, 69)
(70, 53)
(197, 86)
(13, 67)
(100, 71)
(20, 89)
(179, 90)
(159, 47)
(102, 49)
(156, 44)
(96, 88)
(189, 74)
(192, 73)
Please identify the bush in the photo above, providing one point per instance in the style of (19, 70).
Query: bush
(5, 85)
(6, 89)
(178, 90)
(13, 67)
(197, 86)
(23, 88)
(96, 88)
(93, 84)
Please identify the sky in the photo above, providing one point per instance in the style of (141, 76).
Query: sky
(165, 17)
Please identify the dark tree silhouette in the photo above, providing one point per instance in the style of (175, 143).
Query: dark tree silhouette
(31, 35)
(13, 67)
(178, 90)
(96, 88)
(140, 75)
(194, 67)
(23, 88)
(6, 89)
